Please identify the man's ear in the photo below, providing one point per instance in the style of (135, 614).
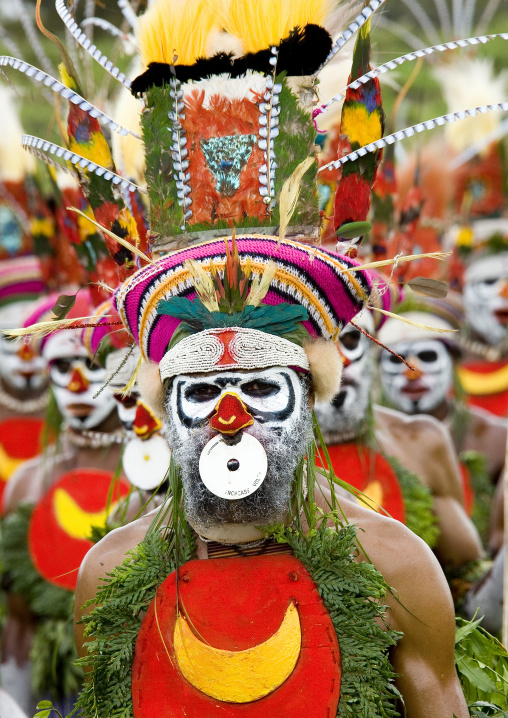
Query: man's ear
(151, 388)
(325, 369)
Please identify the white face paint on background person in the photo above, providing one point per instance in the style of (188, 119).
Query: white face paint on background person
(486, 298)
(348, 409)
(21, 368)
(423, 390)
(120, 366)
(275, 403)
(75, 380)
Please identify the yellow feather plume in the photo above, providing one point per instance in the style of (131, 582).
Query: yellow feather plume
(203, 285)
(289, 195)
(264, 23)
(413, 323)
(178, 27)
(261, 285)
(121, 240)
(43, 329)
(129, 387)
(396, 260)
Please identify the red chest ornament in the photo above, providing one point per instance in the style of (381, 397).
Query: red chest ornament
(252, 638)
(62, 521)
(486, 385)
(20, 440)
(371, 473)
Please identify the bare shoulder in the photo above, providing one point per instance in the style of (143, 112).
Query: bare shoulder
(108, 553)
(100, 561)
(414, 427)
(406, 563)
(24, 486)
(424, 446)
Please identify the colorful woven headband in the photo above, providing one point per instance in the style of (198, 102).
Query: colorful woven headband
(312, 278)
(20, 280)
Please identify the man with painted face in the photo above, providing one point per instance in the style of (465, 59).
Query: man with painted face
(402, 444)
(483, 369)
(427, 388)
(236, 402)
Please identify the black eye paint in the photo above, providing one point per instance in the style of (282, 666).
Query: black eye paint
(282, 415)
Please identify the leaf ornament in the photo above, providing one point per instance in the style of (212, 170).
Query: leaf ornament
(63, 305)
(429, 287)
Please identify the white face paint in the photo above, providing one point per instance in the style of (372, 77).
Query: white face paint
(21, 369)
(486, 298)
(344, 414)
(75, 380)
(423, 390)
(126, 407)
(273, 397)
(271, 447)
(120, 366)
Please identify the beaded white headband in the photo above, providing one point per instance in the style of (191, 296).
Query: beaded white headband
(225, 348)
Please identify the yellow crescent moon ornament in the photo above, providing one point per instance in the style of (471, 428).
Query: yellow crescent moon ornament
(257, 642)
(75, 521)
(239, 676)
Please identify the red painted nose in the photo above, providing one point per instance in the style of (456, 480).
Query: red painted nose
(413, 375)
(145, 423)
(231, 415)
(25, 352)
(345, 361)
(78, 383)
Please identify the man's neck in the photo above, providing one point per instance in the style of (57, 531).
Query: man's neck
(22, 394)
(231, 533)
(441, 411)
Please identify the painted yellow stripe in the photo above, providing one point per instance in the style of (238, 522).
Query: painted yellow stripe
(8, 465)
(239, 676)
(478, 384)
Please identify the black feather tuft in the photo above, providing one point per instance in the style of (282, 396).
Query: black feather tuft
(301, 53)
(304, 51)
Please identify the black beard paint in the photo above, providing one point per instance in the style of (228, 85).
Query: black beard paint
(270, 503)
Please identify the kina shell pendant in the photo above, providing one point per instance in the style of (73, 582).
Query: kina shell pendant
(233, 471)
(146, 462)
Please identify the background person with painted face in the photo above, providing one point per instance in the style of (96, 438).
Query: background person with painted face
(145, 457)
(427, 388)
(52, 504)
(431, 387)
(391, 457)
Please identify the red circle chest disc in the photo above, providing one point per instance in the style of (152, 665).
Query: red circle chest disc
(234, 614)
(371, 473)
(62, 521)
(20, 440)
